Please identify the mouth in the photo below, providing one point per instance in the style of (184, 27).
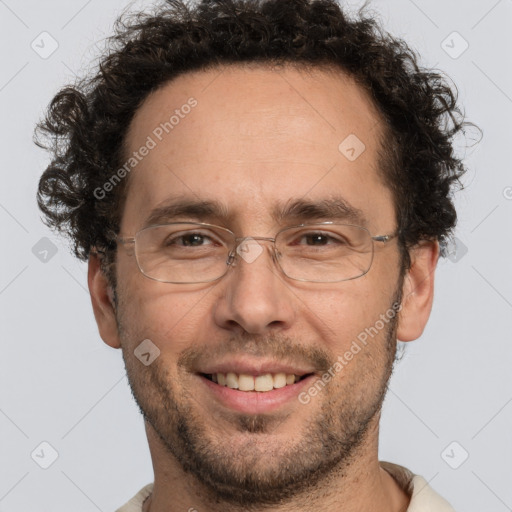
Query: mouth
(254, 383)
(253, 394)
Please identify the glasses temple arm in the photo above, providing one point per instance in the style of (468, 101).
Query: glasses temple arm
(384, 238)
(127, 240)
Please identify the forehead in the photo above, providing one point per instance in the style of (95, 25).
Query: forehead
(252, 138)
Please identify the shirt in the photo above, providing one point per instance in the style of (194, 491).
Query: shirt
(423, 497)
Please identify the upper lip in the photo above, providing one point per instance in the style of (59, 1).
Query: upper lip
(254, 367)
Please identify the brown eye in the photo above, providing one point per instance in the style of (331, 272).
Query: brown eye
(192, 240)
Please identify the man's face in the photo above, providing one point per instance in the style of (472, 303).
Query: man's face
(255, 139)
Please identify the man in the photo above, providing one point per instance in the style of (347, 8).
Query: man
(260, 189)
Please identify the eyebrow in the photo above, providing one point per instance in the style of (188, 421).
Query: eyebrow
(293, 210)
(333, 208)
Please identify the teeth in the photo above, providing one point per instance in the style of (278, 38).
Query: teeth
(280, 380)
(231, 380)
(264, 382)
(244, 382)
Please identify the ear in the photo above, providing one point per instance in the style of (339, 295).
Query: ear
(418, 291)
(102, 298)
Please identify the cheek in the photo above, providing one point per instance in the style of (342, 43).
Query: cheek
(170, 319)
(339, 315)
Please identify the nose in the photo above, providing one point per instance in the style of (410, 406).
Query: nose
(254, 295)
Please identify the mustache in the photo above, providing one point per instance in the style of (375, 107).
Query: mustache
(274, 346)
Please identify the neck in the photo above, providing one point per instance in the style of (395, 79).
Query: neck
(361, 485)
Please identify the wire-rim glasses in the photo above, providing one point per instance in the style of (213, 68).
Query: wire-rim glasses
(196, 252)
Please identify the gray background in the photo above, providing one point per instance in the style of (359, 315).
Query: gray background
(61, 385)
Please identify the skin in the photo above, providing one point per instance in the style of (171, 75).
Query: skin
(258, 136)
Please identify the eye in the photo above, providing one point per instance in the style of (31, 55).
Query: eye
(316, 239)
(319, 239)
(189, 239)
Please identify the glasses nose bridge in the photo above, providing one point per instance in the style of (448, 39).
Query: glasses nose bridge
(241, 239)
(238, 241)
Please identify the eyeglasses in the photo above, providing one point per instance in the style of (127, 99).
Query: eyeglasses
(190, 252)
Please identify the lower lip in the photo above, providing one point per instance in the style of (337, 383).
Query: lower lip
(254, 402)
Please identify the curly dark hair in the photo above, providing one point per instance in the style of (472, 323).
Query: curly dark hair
(86, 124)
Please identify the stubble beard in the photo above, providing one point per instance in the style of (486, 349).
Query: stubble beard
(259, 474)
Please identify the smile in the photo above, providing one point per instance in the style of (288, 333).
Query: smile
(253, 394)
(262, 383)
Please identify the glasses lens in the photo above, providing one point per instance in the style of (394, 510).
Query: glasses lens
(325, 252)
(198, 253)
(183, 253)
